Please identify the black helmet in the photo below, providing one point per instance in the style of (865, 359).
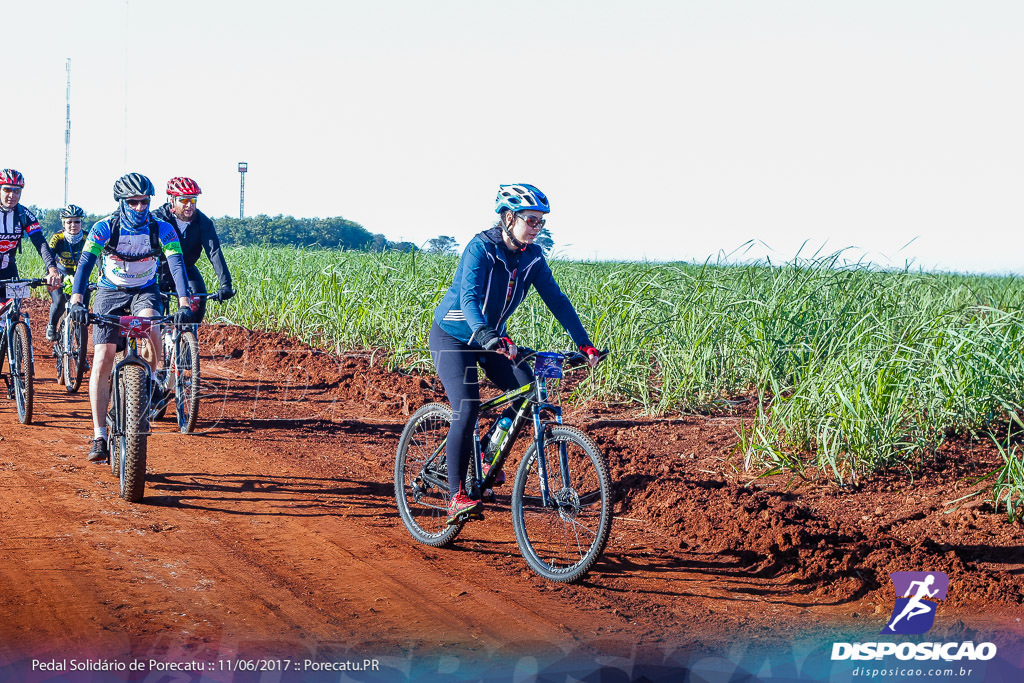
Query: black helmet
(71, 211)
(133, 185)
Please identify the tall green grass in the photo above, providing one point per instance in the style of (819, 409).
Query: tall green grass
(852, 368)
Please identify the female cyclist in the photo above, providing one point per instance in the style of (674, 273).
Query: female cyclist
(494, 275)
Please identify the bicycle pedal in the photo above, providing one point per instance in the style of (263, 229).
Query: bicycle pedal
(487, 496)
(465, 517)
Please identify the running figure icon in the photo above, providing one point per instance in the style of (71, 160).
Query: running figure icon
(916, 609)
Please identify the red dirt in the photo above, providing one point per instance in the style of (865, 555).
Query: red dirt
(274, 532)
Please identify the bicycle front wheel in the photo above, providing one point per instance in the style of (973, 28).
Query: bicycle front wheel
(562, 540)
(58, 349)
(115, 418)
(72, 336)
(133, 397)
(186, 381)
(421, 476)
(21, 371)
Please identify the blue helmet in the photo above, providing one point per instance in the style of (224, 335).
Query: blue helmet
(521, 197)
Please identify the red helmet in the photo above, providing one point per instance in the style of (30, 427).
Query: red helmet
(182, 187)
(9, 176)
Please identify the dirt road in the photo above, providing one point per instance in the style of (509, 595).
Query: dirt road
(273, 534)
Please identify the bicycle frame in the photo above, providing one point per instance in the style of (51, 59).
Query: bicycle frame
(132, 357)
(535, 404)
(62, 345)
(194, 327)
(10, 314)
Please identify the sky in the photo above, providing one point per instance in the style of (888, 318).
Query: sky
(660, 130)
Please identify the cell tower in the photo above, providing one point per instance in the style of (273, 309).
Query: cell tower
(67, 132)
(242, 168)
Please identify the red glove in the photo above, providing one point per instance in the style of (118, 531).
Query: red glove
(589, 351)
(502, 345)
(509, 347)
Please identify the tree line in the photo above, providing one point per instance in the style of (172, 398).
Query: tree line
(324, 233)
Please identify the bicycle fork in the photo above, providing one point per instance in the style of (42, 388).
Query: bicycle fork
(540, 428)
(5, 345)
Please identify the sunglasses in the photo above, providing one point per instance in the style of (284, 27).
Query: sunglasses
(137, 203)
(186, 200)
(533, 221)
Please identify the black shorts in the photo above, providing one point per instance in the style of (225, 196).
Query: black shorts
(121, 302)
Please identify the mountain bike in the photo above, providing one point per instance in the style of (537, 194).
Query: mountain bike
(70, 349)
(128, 414)
(561, 497)
(181, 361)
(16, 345)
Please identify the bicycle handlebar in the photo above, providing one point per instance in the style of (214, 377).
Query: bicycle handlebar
(573, 359)
(97, 318)
(212, 296)
(35, 282)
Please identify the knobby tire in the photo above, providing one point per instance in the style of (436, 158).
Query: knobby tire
(21, 371)
(134, 398)
(562, 544)
(424, 518)
(71, 345)
(186, 381)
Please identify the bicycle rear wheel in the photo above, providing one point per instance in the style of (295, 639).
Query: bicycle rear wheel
(421, 476)
(186, 381)
(21, 371)
(562, 541)
(72, 336)
(133, 411)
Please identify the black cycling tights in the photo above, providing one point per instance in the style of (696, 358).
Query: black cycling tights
(456, 366)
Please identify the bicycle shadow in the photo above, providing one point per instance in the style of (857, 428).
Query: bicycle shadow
(275, 496)
(230, 427)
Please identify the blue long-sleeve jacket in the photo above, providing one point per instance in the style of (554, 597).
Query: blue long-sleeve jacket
(490, 284)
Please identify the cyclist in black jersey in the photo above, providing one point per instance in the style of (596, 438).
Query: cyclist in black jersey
(15, 222)
(197, 234)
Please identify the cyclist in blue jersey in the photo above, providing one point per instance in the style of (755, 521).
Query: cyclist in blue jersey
(127, 244)
(494, 275)
(16, 222)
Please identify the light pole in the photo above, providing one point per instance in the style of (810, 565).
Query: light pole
(242, 168)
(67, 132)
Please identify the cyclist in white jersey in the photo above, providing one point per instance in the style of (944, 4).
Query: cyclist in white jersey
(127, 244)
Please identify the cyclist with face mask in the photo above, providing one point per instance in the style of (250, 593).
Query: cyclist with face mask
(495, 273)
(66, 245)
(127, 245)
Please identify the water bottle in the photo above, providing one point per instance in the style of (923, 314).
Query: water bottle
(498, 439)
